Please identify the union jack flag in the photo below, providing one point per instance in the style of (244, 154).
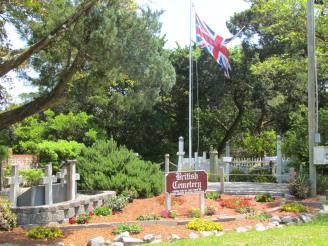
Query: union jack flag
(214, 44)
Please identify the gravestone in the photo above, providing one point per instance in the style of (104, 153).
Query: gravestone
(14, 182)
(48, 180)
(72, 177)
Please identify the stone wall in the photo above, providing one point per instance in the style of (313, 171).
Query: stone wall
(60, 212)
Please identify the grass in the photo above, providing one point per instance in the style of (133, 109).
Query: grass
(315, 233)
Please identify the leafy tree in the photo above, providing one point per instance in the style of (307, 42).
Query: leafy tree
(113, 31)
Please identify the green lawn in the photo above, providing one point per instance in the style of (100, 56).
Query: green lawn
(314, 234)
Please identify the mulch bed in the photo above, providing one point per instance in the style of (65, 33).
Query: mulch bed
(181, 204)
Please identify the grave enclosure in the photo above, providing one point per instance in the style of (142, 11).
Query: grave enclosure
(52, 201)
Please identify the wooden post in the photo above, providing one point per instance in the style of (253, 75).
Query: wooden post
(202, 202)
(180, 153)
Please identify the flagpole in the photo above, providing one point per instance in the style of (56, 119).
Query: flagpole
(190, 90)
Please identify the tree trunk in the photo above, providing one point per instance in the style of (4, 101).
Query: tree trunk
(45, 101)
(229, 133)
(18, 59)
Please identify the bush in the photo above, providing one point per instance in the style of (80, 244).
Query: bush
(266, 197)
(238, 175)
(258, 216)
(210, 210)
(132, 228)
(31, 177)
(300, 186)
(212, 195)
(41, 232)
(293, 207)
(169, 214)
(116, 203)
(322, 184)
(102, 211)
(106, 166)
(148, 217)
(194, 213)
(204, 225)
(7, 218)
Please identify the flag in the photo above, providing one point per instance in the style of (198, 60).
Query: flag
(214, 44)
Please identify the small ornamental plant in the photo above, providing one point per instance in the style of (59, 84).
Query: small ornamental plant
(204, 225)
(194, 213)
(102, 211)
(80, 219)
(169, 214)
(41, 232)
(294, 207)
(7, 217)
(258, 215)
(212, 195)
(266, 197)
(210, 210)
(149, 217)
(129, 227)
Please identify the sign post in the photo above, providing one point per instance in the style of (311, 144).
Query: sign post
(181, 183)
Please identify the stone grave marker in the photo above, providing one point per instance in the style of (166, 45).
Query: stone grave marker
(15, 180)
(48, 180)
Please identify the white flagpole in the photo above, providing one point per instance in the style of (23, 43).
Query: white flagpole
(190, 90)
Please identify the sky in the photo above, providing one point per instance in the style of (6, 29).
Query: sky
(175, 26)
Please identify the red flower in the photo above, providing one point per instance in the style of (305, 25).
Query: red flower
(91, 214)
(72, 220)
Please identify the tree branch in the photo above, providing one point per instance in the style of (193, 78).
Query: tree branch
(45, 101)
(17, 60)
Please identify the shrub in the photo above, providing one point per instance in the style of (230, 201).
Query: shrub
(266, 197)
(102, 211)
(322, 184)
(132, 228)
(210, 210)
(194, 213)
(41, 232)
(148, 217)
(238, 175)
(261, 176)
(130, 195)
(258, 216)
(204, 225)
(212, 195)
(293, 207)
(106, 166)
(300, 186)
(7, 218)
(169, 214)
(243, 209)
(116, 203)
(31, 177)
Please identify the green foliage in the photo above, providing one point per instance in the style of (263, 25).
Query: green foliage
(204, 225)
(102, 211)
(322, 184)
(294, 207)
(52, 127)
(31, 177)
(300, 186)
(258, 215)
(129, 227)
(82, 219)
(265, 197)
(212, 195)
(55, 152)
(149, 217)
(238, 175)
(106, 166)
(194, 213)
(7, 217)
(255, 175)
(116, 203)
(3, 152)
(258, 146)
(41, 232)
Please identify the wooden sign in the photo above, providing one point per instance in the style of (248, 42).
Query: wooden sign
(186, 182)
